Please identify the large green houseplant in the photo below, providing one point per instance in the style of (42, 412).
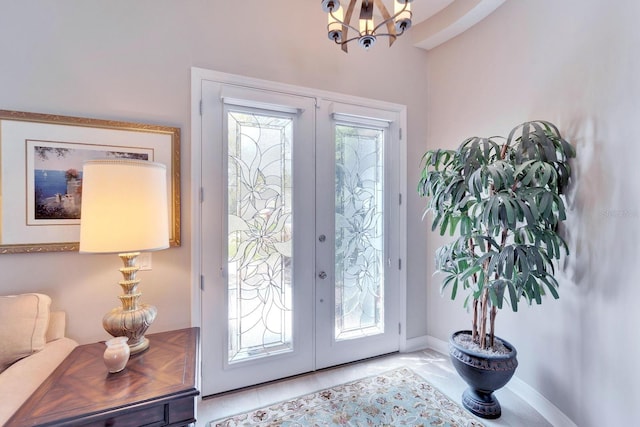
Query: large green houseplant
(502, 199)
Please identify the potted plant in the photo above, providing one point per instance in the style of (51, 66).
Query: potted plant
(502, 200)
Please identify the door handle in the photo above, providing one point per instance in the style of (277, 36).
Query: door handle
(322, 275)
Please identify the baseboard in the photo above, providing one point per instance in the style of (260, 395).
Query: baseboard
(438, 345)
(415, 344)
(547, 409)
(424, 342)
(521, 389)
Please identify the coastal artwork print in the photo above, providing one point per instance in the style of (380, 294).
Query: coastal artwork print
(54, 177)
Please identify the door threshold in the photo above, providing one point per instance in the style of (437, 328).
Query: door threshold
(297, 376)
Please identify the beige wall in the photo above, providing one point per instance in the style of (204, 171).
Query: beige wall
(131, 60)
(575, 63)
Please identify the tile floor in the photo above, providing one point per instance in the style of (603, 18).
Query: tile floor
(430, 364)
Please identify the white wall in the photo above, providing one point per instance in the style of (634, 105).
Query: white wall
(575, 63)
(130, 60)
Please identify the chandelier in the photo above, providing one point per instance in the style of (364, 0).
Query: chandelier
(367, 31)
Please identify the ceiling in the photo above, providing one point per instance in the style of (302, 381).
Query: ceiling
(422, 9)
(436, 21)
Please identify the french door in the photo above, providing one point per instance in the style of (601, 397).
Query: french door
(356, 290)
(298, 206)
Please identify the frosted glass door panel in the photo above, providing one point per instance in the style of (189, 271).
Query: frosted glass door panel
(359, 239)
(260, 228)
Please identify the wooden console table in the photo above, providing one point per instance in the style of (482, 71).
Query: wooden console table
(158, 387)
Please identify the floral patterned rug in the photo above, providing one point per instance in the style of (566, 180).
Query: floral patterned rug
(395, 398)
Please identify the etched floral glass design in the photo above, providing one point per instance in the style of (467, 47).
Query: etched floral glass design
(259, 221)
(359, 251)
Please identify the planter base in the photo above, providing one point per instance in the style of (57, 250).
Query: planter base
(481, 404)
(483, 373)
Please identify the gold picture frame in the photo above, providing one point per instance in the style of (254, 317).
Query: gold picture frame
(40, 174)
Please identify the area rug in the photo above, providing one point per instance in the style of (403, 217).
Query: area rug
(395, 398)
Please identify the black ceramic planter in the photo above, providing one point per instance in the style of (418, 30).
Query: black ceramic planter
(484, 374)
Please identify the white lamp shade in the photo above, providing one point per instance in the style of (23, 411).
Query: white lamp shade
(336, 23)
(124, 206)
(399, 6)
(366, 26)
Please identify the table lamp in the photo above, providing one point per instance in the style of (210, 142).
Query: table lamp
(124, 211)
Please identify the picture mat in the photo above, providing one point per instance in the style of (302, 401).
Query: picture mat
(74, 158)
(13, 172)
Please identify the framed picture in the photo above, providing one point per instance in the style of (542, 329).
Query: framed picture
(41, 158)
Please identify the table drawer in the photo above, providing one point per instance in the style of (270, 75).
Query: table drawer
(148, 416)
(182, 411)
(174, 413)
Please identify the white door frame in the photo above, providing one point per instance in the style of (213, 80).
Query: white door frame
(198, 75)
